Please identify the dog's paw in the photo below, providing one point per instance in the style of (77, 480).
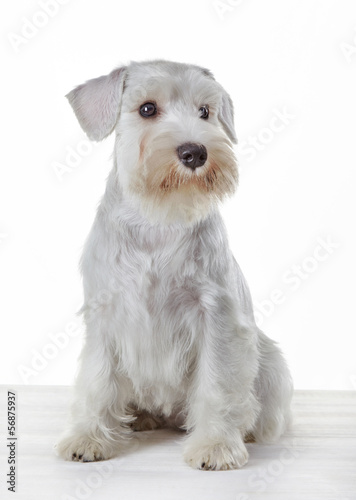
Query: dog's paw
(145, 421)
(249, 438)
(83, 449)
(217, 456)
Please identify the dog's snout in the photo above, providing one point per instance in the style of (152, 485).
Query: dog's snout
(192, 155)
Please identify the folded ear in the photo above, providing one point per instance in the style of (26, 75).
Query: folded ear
(226, 116)
(97, 103)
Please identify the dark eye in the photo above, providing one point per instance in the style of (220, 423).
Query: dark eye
(148, 109)
(204, 112)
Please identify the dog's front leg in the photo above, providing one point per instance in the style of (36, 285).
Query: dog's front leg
(98, 424)
(222, 403)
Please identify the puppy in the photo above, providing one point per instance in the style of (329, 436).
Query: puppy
(170, 332)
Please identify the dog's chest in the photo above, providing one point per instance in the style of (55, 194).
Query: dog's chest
(157, 337)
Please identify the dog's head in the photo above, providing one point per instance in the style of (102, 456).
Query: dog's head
(174, 133)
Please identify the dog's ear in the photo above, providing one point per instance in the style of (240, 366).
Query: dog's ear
(226, 110)
(226, 116)
(97, 103)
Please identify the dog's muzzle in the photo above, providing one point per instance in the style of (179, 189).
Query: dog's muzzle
(192, 155)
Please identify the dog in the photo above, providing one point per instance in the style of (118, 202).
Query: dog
(171, 338)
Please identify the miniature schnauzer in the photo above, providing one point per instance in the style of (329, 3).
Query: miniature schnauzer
(170, 332)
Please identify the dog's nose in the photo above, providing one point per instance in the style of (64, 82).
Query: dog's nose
(192, 155)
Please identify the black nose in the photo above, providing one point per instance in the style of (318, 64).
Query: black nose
(192, 155)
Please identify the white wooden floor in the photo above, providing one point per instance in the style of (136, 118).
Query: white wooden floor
(316, 460)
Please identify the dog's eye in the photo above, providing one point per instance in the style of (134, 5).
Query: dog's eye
(148, 109)
(204, 112)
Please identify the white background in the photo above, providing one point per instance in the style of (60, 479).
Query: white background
(297, 185)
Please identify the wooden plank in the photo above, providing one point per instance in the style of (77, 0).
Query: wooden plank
(315, 460)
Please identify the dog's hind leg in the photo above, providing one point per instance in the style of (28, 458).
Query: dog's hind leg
(274, 390)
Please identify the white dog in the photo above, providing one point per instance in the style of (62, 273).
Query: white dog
(171, 337)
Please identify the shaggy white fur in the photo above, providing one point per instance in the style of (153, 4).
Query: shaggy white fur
(171, 337)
